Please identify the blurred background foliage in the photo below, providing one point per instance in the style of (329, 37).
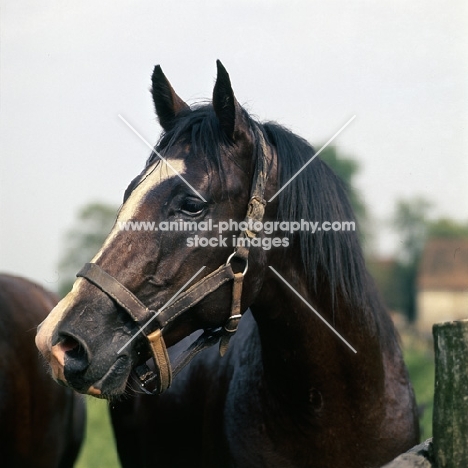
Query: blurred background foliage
(84, 239)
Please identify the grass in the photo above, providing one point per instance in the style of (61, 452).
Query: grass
(419, 358)
(99, 449)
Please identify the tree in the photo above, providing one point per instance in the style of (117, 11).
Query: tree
(83, 241)
(410, 221)
(447, 229)
(347, 168)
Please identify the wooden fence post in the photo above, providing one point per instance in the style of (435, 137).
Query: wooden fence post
(450, 421)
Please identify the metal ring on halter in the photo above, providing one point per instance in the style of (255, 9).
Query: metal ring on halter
(228, 261)
(234, 318)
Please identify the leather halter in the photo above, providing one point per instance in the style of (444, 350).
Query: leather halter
(155, 382)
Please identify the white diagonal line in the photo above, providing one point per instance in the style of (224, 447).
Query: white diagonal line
(312, 309)
(167, 304)
(312, 158)
(161, 157)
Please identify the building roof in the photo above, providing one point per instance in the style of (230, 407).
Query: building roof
(444, 265)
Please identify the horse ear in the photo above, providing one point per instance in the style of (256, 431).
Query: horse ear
(168, 105)
(226, 107)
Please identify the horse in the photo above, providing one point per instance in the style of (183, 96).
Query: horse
(308, 371)
(41, 424)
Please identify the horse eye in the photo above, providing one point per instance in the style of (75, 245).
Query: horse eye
(192, 206)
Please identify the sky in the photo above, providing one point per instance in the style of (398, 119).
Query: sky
(68, 69)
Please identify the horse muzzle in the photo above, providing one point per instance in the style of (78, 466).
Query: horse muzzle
(101, 371)
(71, 365)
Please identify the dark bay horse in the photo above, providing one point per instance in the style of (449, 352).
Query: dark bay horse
(314, 376)
(41, 425)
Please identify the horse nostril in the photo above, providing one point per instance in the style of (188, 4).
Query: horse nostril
(76, 357)
(69, 344)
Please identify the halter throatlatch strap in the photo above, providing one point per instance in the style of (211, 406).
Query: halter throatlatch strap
(255, 212)
(231, 325)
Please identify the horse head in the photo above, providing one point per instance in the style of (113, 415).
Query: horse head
(199, 175)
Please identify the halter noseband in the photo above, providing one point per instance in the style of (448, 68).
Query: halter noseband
(155, 382)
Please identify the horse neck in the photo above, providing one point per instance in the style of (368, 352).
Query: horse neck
(301, 355)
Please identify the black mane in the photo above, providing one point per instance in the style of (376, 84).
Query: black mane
(317, 194)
